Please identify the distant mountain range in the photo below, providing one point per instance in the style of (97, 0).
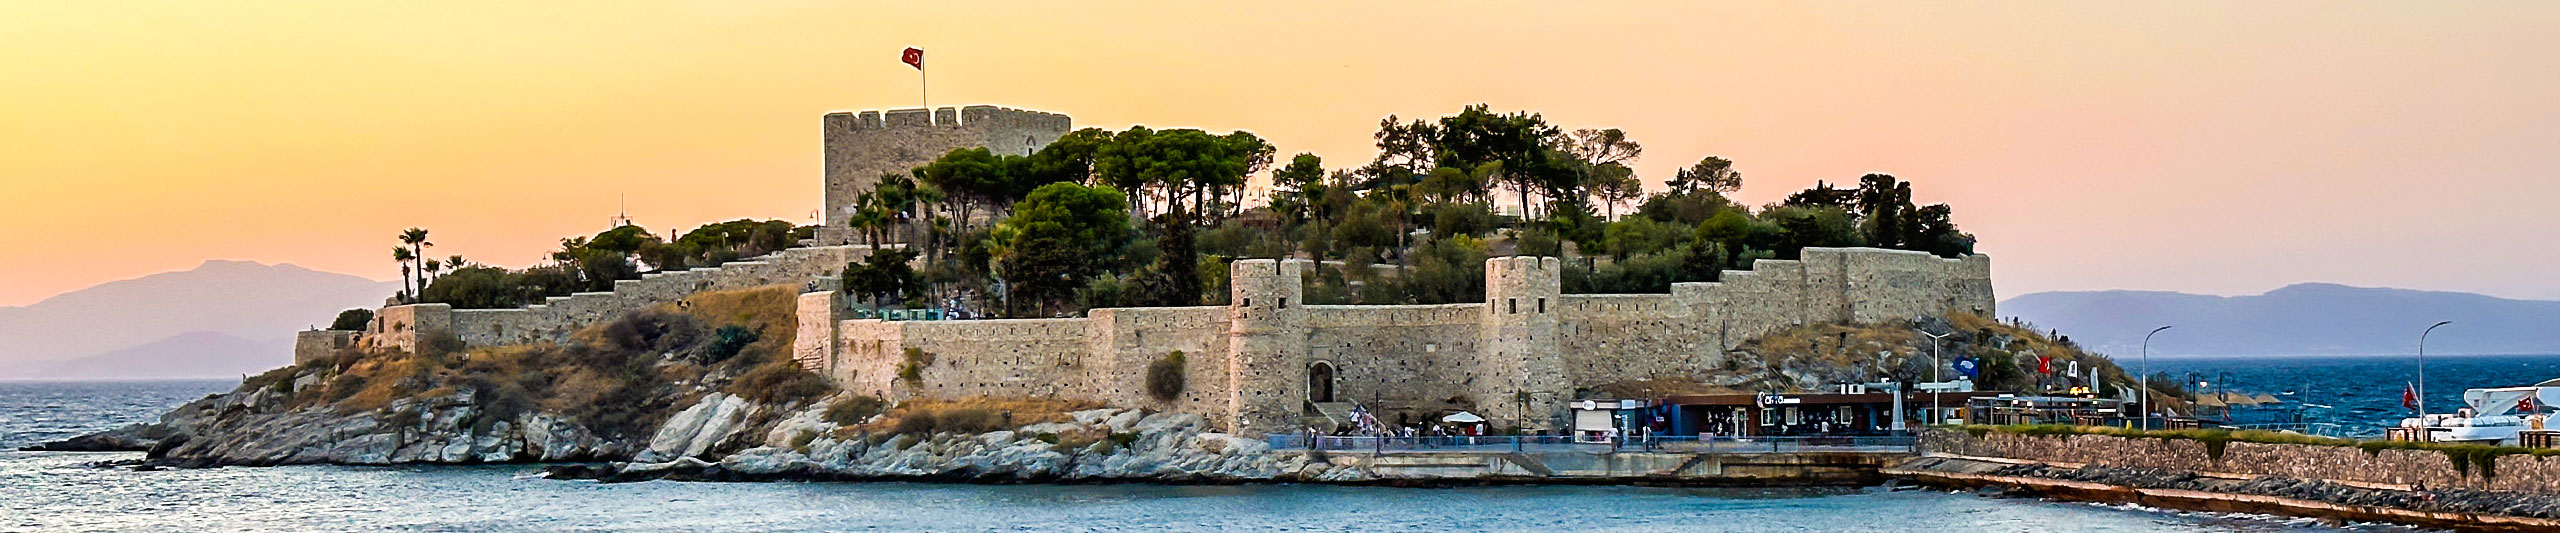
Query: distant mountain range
(220, 319)
(2302, 319)
(228, 318)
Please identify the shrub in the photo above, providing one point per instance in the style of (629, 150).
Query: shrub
(980, 414)
(912, 371)
(650, 331)
(800, 441)
(914, 423)
(439, 344)
(280, 379)
(728, 340)
(1164, 377)
(779, 382)
(854, 410)
(352, 320)
(969, 421)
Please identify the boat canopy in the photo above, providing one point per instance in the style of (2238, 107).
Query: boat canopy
(2503, 400)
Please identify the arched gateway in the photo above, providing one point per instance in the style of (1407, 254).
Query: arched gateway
(1320, 382)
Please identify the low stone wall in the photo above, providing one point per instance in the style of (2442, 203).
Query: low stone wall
(400, 327)
(2512, 473)
(315, 344)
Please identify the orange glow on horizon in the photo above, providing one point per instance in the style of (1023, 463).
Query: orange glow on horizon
(2206, 147)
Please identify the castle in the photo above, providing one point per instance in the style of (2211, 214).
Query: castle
(1256, 366)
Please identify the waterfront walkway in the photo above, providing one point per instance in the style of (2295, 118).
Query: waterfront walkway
(1561, 444)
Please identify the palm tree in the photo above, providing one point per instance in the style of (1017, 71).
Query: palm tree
(416, 238)
(454, 262)
(403, 255)
(427, 274)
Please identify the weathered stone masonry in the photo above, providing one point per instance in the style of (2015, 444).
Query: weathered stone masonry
(2514, 473)
(400, 327)
(862, 146)
(1254, 365)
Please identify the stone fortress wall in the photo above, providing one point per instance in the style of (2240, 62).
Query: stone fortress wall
(400, 327)
(859, 147)
(1254, 366)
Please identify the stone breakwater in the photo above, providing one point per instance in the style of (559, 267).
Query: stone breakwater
(2429, 500)
(2455, 509)
(2421, 487)
(2390, 467)
(1101, 445)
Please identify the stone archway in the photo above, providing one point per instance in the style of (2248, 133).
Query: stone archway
(1320, 377)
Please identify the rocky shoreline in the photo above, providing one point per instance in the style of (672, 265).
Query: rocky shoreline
(233, 430)
(719, 438)
(1134, 446)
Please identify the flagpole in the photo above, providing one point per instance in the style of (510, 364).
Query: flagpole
(924, 91)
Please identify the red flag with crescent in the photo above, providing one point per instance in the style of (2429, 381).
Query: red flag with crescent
(2409, 397)
(914, 57)
(2528, 405)
(2044, 364)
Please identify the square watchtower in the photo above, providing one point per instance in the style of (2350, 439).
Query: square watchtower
(862, 146)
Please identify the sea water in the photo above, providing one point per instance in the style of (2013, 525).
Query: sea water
(54, 491)
(2360, 395)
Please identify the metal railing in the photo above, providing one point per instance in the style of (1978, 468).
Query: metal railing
(2321, 429)
(1559, 443)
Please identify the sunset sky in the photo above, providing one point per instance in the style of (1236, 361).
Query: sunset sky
(2216, 147)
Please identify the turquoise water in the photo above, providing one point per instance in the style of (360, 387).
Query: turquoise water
(46, 491)
(2360, 393)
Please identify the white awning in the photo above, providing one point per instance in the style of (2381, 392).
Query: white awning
(1462, 417)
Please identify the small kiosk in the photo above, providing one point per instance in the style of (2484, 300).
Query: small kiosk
(1605, 421)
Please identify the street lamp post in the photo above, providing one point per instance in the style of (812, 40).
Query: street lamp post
(1937, 411)
(1377, 400)
(2146, 376)
(2422, 368)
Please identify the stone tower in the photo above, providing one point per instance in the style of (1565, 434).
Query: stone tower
(862, 146)
(1520, 354)
(1267, 354)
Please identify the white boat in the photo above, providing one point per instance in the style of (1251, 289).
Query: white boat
(2493, 415)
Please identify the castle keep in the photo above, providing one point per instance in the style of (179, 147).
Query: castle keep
(862, 146)
(1257, 366)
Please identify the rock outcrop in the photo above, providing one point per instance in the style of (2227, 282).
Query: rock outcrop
(232, 429)
(1099, 445)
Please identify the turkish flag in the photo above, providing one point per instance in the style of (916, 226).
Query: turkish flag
(2044, 365)
(914, 57)
(2528, 405)
(2409, 397)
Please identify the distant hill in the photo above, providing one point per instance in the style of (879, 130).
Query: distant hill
(201, 354)
(249, 309)
(2303, 319)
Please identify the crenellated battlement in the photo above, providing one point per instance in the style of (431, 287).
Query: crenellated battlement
(862, 146)
(966, 117)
